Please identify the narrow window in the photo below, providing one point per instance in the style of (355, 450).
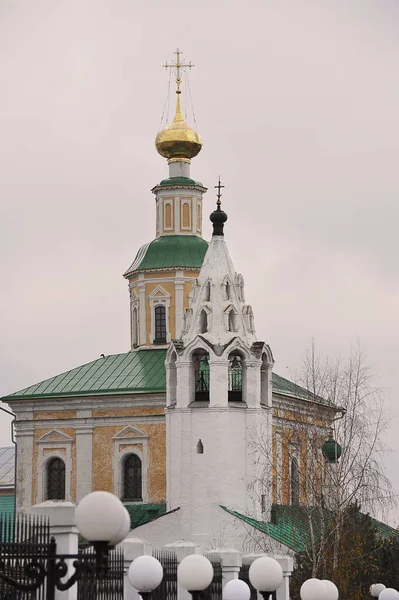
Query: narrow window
(228, 291)
(203, 322)
(135, 328)
(168, 216)
(186, 216)
(55, 479)
(232, 320)
(160, 324)
(200, 447)
(294, 481)
(208, 291)
(132, 478)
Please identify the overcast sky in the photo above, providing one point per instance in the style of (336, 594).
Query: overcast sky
(297, 103)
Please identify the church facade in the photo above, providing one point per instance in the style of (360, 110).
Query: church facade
(191, 423)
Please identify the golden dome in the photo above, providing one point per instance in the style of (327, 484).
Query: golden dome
(177, 141)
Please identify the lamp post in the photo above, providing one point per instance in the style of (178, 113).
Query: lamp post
(236, 589)
(266, 575)
(102, 519)
(195, 573)
(145, 574)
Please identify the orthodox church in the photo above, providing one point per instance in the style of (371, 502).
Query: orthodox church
(191, 427)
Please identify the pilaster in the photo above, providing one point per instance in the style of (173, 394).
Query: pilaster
(179, 302)
(219, 382)
(84, 447)
(24, 435)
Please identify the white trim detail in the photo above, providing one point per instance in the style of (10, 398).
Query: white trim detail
(130, 437)
(156, 300)
(62, 448)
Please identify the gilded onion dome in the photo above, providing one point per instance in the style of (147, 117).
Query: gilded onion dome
(177, 141)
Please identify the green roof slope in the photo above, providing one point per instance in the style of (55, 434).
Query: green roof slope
(137, 372)
(290, 525)
(170, 251)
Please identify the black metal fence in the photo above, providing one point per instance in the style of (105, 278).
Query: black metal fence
(102, 586)
(167, 590)
(23, 539)
(26, 538)
(214, 591)
(244, 575)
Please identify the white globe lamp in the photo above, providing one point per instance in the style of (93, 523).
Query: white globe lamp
(236, 589)
(145, 574)
(332, 590)
(195, 573)
(265, 574)
(100, 516)
(123, 532)
(313, 589)
(388, 594)
(376, 589)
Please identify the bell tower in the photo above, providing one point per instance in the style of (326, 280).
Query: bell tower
(162, 274)
(218, 395)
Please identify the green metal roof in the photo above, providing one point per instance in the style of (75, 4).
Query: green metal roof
(170, 251)
(290, 525)
(137, 372)
(140, 514)
(132, 372)
(180, 181)
(7, 505)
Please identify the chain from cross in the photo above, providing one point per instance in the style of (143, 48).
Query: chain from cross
(219, 186)
(176, 66)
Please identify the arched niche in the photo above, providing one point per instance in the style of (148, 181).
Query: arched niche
(201, 375)
(236, 376)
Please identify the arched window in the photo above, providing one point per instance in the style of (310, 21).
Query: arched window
(203, 322)
(294, 481)
(135, 328)
(160, 324)
(55, 479)
(228, 291)
(132, 478)
(232, 320)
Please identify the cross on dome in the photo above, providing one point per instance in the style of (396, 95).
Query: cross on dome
(176, 66)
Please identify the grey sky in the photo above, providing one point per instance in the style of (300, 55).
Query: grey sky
(297, 103)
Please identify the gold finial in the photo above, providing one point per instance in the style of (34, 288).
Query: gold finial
(177, 141)
(176, 65)
(219, 186)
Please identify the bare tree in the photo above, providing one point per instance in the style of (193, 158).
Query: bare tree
(337, 400)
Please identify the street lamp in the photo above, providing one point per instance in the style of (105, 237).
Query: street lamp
(236, 589)
(145, 574)
(101, 519)
(265, 574)
(388, 594)
(376, 589)
(195, 573)
(314, 589)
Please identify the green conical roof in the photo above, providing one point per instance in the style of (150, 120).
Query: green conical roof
(169, 252)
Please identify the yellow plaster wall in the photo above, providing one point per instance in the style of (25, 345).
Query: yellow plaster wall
(103, 448)
(159, 275)
(129, 412)
(56, 414)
